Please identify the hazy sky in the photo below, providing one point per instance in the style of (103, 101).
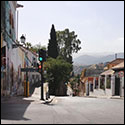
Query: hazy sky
(99, 25)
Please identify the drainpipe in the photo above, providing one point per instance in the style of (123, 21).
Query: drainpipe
(18, 6)
(17, 23)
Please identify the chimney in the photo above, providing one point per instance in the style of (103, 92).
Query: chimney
(116, 56)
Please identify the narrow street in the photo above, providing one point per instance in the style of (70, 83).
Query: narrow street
(62, 62)
(64, 110)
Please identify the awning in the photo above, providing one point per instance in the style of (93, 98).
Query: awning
(108, 72)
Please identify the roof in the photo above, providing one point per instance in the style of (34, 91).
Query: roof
(106, 68)
(34, 53)
(119, 66)
(108, 72)
(116, 61)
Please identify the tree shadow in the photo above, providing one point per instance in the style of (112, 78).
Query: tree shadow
(14, 108)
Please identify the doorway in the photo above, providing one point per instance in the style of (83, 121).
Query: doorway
(87, 92)
(117, 86)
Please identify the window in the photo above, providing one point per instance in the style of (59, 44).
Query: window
(3, 57)
(91, 87)
(11, 19)
(96, 84)
(102, 85)
(108, 84)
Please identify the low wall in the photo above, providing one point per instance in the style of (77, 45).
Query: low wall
(101, 92)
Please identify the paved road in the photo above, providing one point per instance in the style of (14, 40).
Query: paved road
(64, 110)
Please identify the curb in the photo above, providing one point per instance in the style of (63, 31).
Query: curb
(105, 97)
(122, 98)
(90, 96)
(49, 101)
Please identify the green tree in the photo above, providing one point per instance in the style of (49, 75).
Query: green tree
(75, 82)
(58, 72)
(52, 46)
(36, 47)
(28, 45)
(67, 44)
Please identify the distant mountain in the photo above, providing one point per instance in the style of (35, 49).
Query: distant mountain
(95, 59)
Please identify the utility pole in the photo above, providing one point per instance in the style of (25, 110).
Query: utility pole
(26, 84)
(42, 98)
(42, 58)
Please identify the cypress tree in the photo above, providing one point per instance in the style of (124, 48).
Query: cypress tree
(53, 46)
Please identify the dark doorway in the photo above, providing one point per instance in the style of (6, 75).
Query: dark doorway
(96, 84)
(91, 87)
(87, 93)
(117, 86)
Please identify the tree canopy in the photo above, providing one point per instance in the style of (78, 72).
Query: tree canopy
(62, 45)
(58, 72)
(67, 44)
(52, 46)
(36, 47)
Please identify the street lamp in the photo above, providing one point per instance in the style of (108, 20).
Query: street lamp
(23, 39)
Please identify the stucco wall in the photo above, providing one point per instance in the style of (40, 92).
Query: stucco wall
(122, 87)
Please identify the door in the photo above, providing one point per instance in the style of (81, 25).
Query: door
(117, 86)
(87, 89)
(91, 87)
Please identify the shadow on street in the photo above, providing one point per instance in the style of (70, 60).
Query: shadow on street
(13, 108)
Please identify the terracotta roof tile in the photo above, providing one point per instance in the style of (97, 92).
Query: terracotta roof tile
(119, 66)
(116, 61)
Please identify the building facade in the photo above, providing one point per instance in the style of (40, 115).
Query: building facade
(119, 79)
(13, 56)
(8, 37)
(110, 83)
(89, 79)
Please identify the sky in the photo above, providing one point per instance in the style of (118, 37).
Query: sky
(98, 24)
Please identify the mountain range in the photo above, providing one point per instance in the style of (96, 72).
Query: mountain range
(95, 59)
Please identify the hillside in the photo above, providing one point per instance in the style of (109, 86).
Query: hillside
(93, 59)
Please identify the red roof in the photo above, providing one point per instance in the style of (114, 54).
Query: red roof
(119, 66)
(116, 61)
